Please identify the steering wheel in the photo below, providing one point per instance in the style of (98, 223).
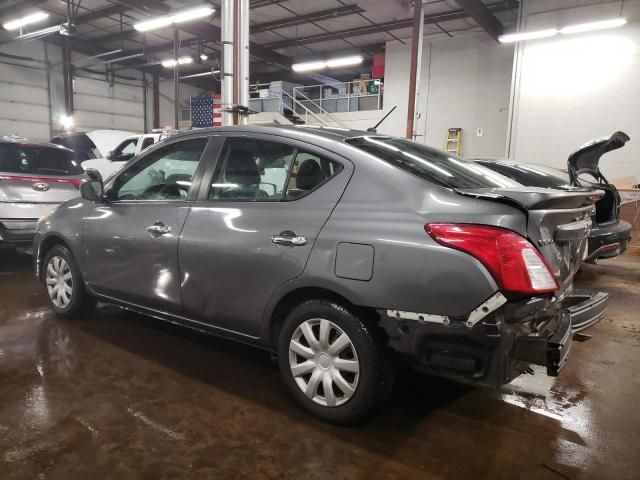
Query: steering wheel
(171, 191)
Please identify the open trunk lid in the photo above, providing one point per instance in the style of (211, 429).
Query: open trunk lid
(586, 159)
(558, 223)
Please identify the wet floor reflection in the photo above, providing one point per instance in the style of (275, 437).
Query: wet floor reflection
(125, 396)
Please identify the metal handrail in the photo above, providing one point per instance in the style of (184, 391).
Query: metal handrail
(322, 110)
(348, 88)
(307, 110)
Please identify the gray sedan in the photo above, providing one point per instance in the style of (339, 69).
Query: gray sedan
(349, 254)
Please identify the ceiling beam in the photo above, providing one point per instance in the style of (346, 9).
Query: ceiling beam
(264, 3)
(149, 7)
(292, 21)
(483, 16)
(211, 34)
(98, 14)
(386, 26)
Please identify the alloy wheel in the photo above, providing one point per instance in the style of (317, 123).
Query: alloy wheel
(59, 282)
(324, 362)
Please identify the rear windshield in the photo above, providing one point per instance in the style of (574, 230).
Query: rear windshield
(433, 165)
(37, 160)
(531, 175)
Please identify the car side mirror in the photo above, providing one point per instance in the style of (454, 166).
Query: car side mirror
(92, 191)
(93, 174)
(110, 155)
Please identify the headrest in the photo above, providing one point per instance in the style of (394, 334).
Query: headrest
(309, 175)
(242, 169)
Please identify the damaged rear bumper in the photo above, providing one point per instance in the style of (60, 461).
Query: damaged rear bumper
(499, 347)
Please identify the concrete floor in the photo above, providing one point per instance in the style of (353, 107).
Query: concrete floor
(122, 396)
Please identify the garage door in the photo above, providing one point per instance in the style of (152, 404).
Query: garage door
(101, 106)
(24, 104)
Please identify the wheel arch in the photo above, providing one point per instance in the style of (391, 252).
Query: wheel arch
(296, 296)
(45, 246)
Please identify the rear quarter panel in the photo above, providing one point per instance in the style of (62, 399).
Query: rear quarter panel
(387, 209)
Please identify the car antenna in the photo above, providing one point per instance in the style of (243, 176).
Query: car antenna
(374, 128)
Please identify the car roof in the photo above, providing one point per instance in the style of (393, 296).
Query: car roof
(333, 133)
(14, 139)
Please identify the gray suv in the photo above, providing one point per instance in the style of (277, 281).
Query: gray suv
(34, 179)
(347, 253)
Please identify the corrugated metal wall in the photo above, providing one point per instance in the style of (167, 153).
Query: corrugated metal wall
(101, 105)
(29, 110)
(24, 103)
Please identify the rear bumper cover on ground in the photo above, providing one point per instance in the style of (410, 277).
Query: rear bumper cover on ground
(503, 344)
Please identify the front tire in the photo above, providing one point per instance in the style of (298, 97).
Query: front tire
(65, 288)
(334, 364)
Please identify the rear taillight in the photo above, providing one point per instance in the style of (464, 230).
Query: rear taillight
(513, 262)
(76, 182)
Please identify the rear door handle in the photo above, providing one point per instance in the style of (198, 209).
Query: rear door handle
(289, 238)
(158, 228)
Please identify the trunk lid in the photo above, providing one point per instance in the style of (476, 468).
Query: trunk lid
(586, 159)
(558, 223)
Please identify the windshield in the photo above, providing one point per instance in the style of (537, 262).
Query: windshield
(531, 175)
(430, 164)
(37, 160)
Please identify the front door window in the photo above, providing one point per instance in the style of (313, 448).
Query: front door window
(165, 174)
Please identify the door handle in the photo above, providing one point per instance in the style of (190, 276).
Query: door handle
(289, 239)
(158, 228)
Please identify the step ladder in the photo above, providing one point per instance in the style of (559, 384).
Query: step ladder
(453, 143)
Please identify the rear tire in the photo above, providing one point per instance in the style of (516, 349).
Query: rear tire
(64, 285)
(335, 365)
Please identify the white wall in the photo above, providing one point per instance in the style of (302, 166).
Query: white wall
(464, 82)
(575, 88)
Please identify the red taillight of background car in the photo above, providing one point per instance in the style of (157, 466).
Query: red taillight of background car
(511, 259)
(76, 182)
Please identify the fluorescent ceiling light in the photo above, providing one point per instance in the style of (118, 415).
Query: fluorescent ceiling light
(171, 62)
(521, 37)
(591, 26)
(344, 61)
(26, 20)
(305, 67)
(179, 17)
(333, 63)
(204, 56)
(550, 32)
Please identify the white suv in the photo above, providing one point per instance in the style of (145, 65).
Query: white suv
(121, 154)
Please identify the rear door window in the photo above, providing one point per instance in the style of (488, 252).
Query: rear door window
(308, 173)
(254, 170)
(38, 160)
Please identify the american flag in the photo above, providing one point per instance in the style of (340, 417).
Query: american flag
(205, 111)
